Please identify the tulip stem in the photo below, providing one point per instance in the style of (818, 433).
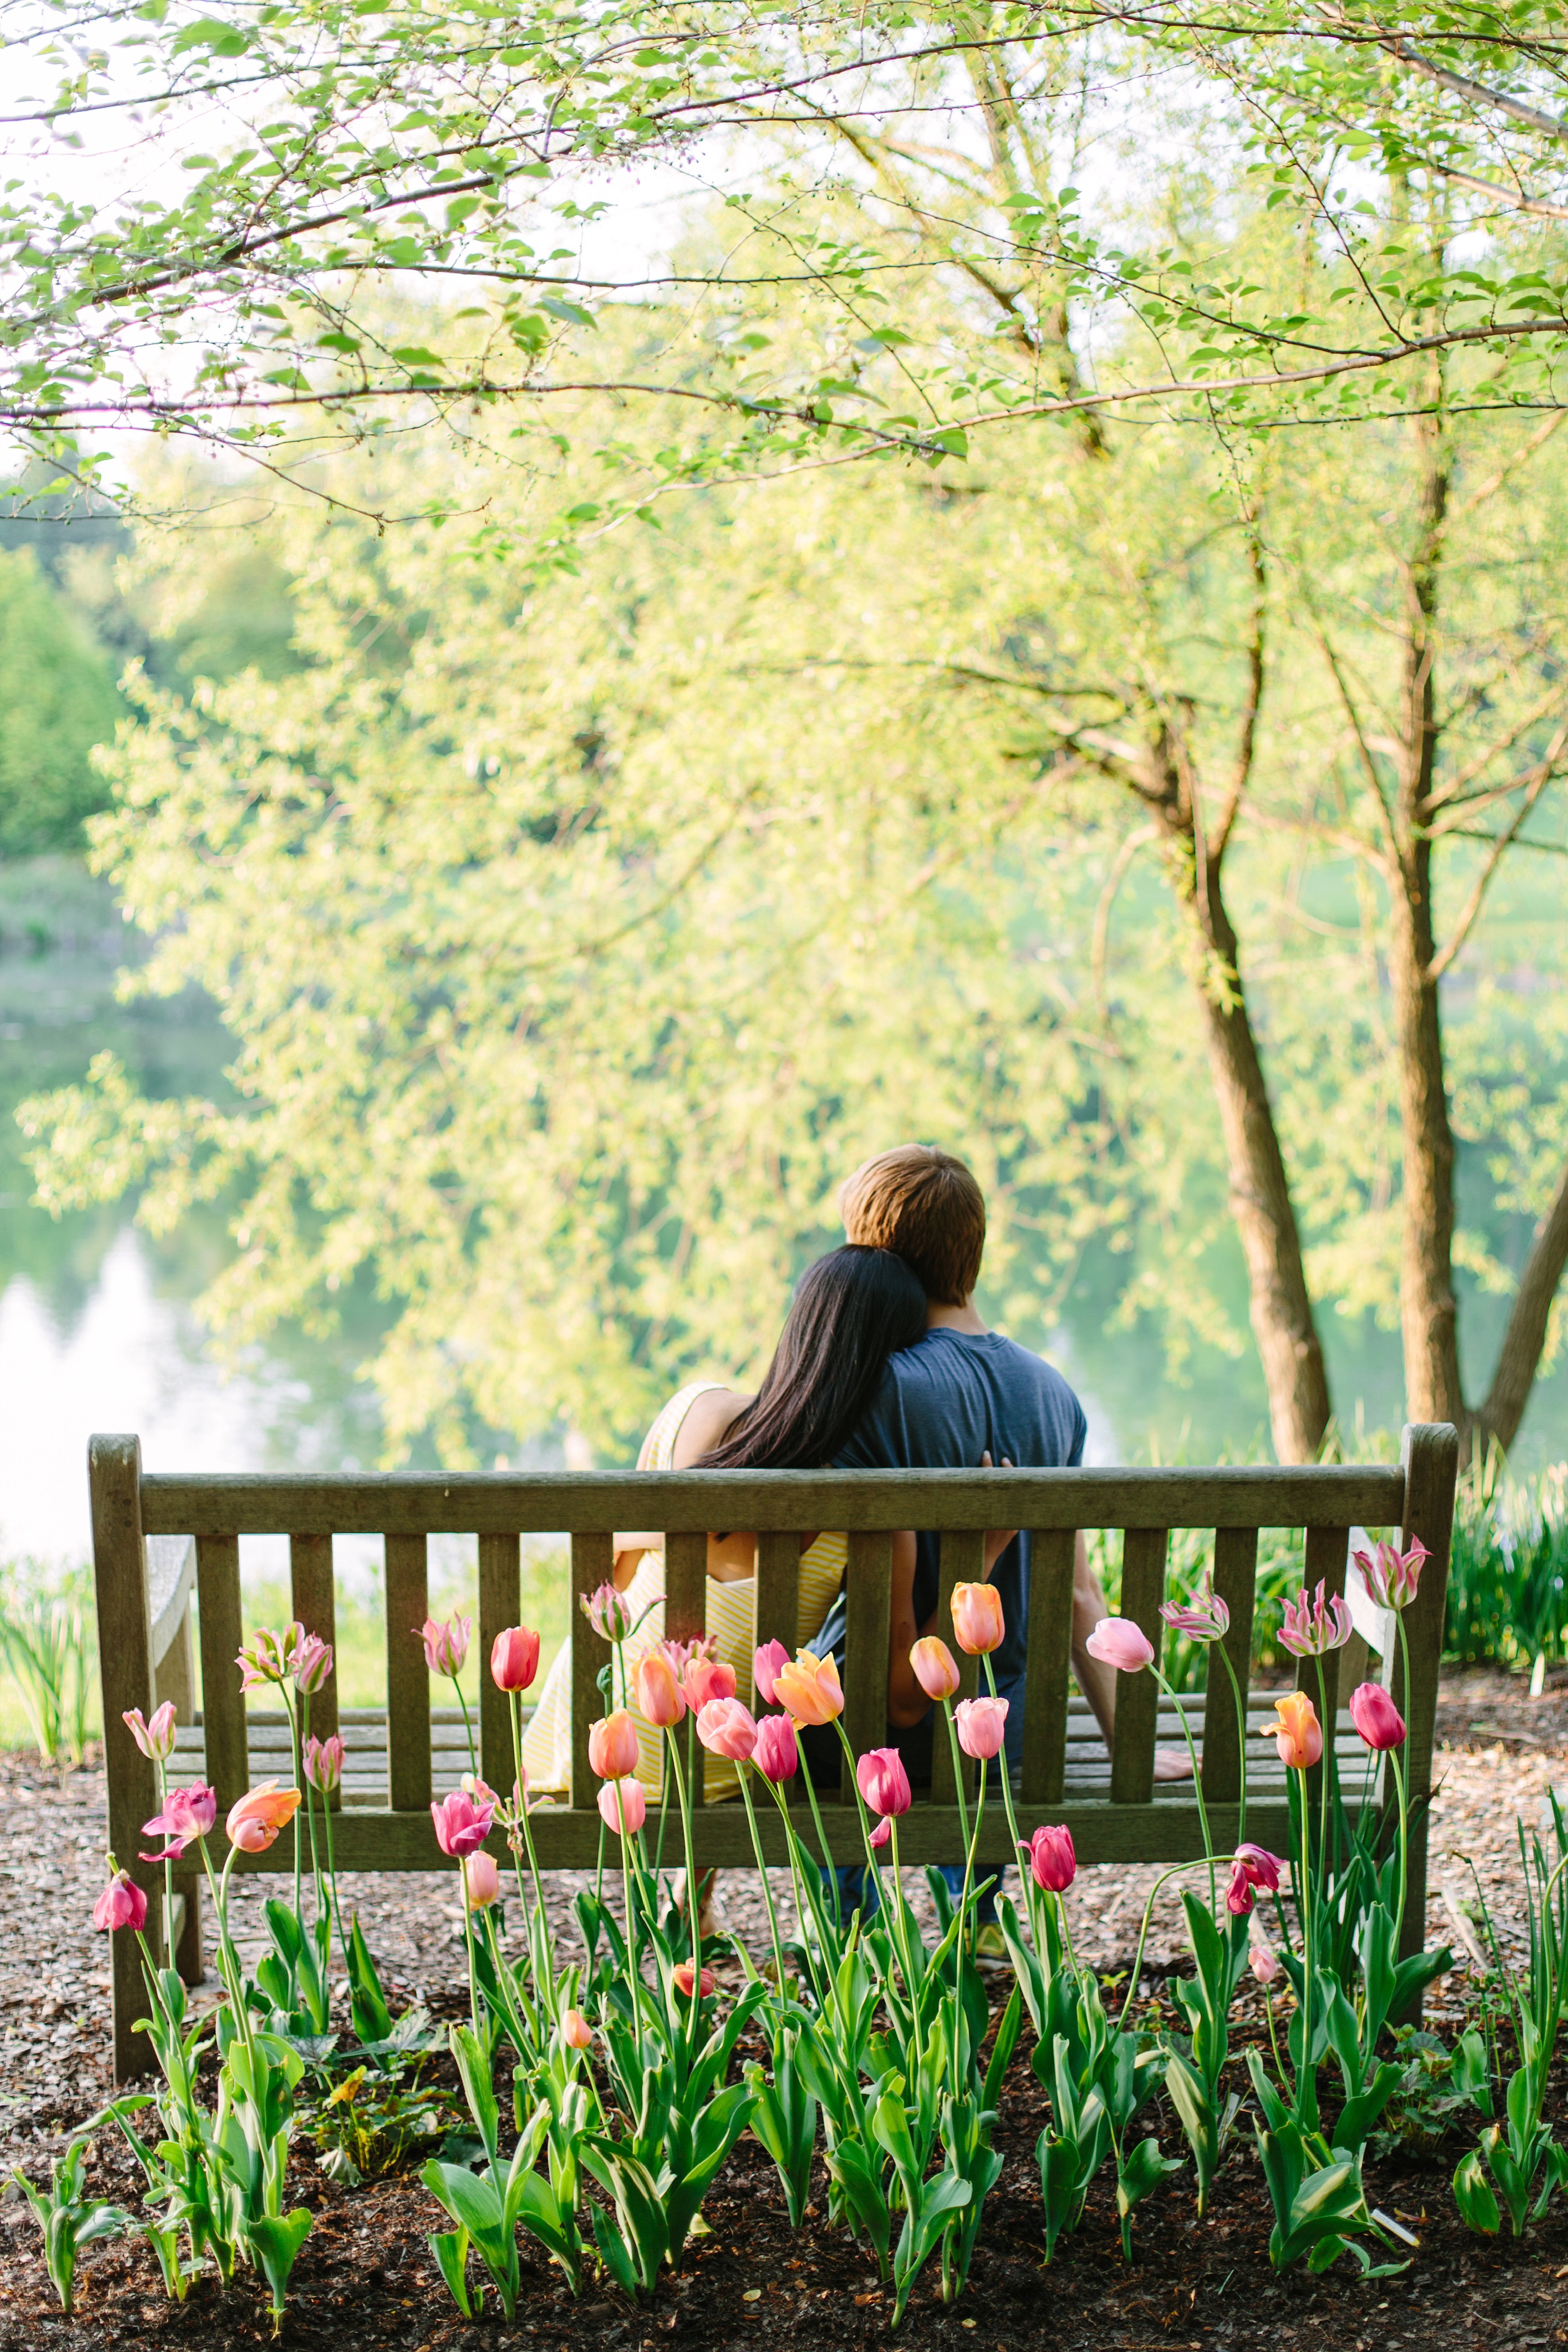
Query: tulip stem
(798, 1860)
(1236, 1694)
(336, 1900)
(1305, 2080)
(828, 1864)
(168, 1870)
(762, 1874)
(683, 1800)
(1175, 1699)
(468, 1727)
(959, 2012)
(1133, 1982)
(957, 1767)
(521, 1792)
(1006, 1787)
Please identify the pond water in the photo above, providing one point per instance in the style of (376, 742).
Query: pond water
(98, 1329)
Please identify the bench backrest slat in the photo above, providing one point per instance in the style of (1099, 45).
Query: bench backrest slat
(867, 1593)
(500, 1605)
(1051, 1553)
(222, 1622)
(778, 1598)
(593, 1559)
(1137, 1695)
(1236, 1582)
(1326, 1549)
(315, 1607)
(407, 1675)
(962, 1560)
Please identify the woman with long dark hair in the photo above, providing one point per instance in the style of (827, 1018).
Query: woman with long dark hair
(852, 1309)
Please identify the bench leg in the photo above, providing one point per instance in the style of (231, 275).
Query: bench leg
(128, 2002)
(188, 1936)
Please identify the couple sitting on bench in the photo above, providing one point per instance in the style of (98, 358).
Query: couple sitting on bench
(883, 1364)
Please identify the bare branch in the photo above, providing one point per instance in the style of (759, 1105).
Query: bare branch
(1535, 785)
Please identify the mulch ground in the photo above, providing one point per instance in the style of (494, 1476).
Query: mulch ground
(366, 2278)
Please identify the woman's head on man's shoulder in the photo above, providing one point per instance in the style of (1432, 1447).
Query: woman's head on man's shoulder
(926, 1205)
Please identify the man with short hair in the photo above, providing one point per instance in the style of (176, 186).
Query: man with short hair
(960, 1393)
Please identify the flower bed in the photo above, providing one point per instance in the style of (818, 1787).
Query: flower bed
(365, 2268)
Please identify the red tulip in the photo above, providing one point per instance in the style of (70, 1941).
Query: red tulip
(1052, 1859)
(514, 1658)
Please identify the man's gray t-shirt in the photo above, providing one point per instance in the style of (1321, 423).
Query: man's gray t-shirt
(943, 1403)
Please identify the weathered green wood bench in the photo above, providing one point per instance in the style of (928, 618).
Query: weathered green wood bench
(1115, 1809)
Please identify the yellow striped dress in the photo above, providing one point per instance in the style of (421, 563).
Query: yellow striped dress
(732, 1620)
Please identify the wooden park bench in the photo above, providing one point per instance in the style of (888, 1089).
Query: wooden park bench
(151, 1532)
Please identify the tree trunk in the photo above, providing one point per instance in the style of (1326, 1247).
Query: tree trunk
(1279, 1305)
(1526, 1335)
(1427, 1307)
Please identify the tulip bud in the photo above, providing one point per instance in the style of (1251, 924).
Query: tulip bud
(809, 1687)
(684, 1977)
(1297, 1735)
(121, 1903)
(514, 1658)
(705, 1679)
(576, 2031)
(982, 1725)
(313, 1665)
(1117, 1642)
(880, 1776)
(324, 1762)
(978, 1623)
(775, 1755)
(613, 1745)
(1264, 1963)
(1376, 1718)
(659, 1695)
(1052, 1859)
(935, 1667)
(623, 1806)
(725, 1728)
(765, 1670)
(155, 1739)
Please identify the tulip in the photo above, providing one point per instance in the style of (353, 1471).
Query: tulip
(678, 1655)
(1264, 1963)
(808, 1687)
(514, 1658)
(705, 1679)
(882, 1834)
(482, 1880)
(776, 1754)
(313, 1665)
(576, 2031)
(982, 1726)
(461, 1825)
(623, 1805)
(1117, 1642)
(1203, 1617)
(1052, 1859)
(659, 1695)
(764, 1668)
(187, 1814)
(268, 1657)
(880, 1776)
(977, 1622)
(254, 1819)
(613, 1745)
(483, 1795)
(935, 1667)
(1297, 1735)
(155, 1739)
(324, 1762)
(122, 1904)
(446, 1644)
(607, 1613)
(1391, 1576)
(1252, 1867)
(686, 1977)
(1313, 1625)
(1376, 1718)
(725, 1728)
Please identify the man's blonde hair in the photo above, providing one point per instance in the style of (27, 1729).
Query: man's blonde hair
(926, 1205)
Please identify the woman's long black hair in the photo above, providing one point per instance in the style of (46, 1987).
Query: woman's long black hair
(852, 1310)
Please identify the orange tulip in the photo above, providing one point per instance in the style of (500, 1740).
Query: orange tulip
(255, 1820)
(1297, 1735)
(977, 1622)
(809, 1689)
(613, 1745)
(659, 1695)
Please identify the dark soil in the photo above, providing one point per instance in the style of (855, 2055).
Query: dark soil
(365, 2277)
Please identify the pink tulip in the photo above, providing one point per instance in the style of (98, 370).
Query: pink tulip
(122, 1904)
(1264, 1963)
(254, 1819)
(268, 1657)
(313, 1665)
(446, 1644)
(725, 1728)
(977, 1622)
(880, 1776)
(1315, 1623)
(679, 1656)
(1052, 1859)
(882, 1834)
(155, 1739)
(705, 1679)
(187, 1814)
(607, 1613)
(686, 1977)
(1203, 1617)
(576, 2031)
(1391, 1576)
(765, 1670)
(935, 1667)
(1252, 1867)
(1118, 1641)
(461, 1825)
(1376, 1718)
(659, 1695)
(613, 1745)
(775, 1755)
(623, 1806)
(482, 1880)
(514, 1658)
(982, 1725)
(324, 1762)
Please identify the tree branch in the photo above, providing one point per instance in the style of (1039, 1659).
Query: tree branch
(1520, 1354)
(1472, 907)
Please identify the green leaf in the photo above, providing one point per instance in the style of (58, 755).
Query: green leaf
(1473, 2196)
